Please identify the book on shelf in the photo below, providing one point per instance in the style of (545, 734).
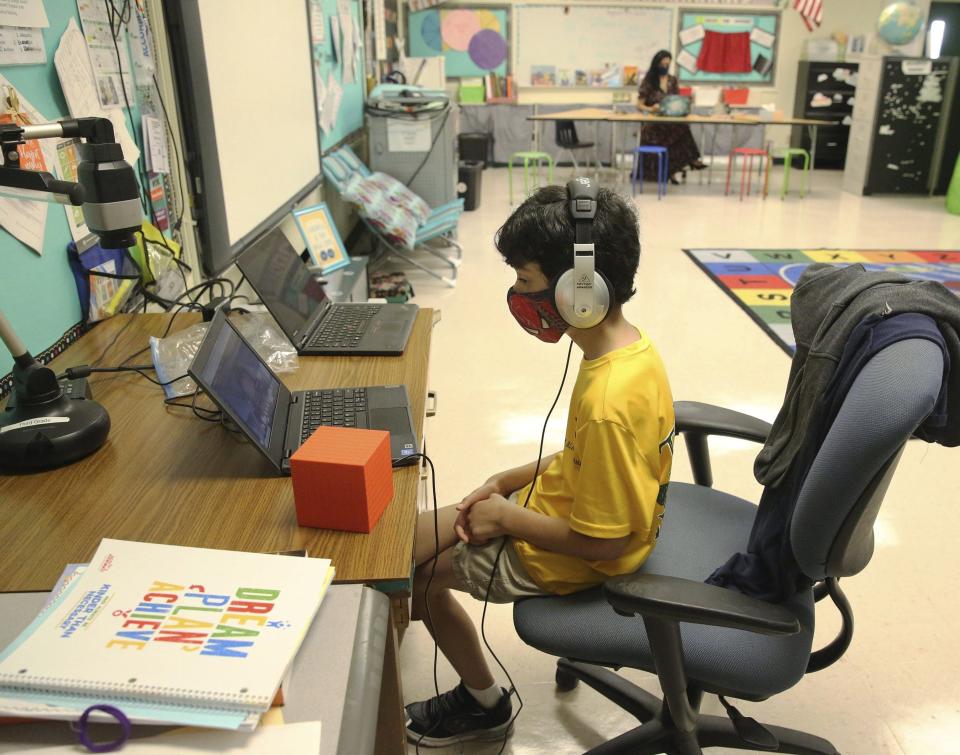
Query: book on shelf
(169, 634)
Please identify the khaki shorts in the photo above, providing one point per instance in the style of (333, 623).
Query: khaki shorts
(472, 565)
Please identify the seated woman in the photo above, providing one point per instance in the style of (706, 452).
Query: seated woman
(676, 137)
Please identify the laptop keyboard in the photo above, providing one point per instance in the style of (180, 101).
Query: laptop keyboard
(343, 327)
(337, 407)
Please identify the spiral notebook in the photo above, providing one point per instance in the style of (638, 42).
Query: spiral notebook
(170, 625)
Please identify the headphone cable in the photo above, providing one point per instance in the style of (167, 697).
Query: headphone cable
(496, 562)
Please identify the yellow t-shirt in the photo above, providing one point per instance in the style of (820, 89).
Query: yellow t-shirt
(611, 478)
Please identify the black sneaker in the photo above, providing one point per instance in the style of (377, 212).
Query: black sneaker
(456, 716)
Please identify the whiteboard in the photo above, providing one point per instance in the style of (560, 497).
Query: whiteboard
(245, 79)
(588, 37)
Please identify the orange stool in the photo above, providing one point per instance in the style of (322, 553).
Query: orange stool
(746, 168)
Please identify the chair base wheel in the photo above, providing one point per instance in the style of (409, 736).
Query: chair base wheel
(565, 682)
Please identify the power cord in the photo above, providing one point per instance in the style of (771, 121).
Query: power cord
(496, 561)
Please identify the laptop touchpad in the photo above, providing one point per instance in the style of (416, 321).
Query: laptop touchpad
(395, 421)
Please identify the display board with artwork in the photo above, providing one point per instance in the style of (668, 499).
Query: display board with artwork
(473, 41)
(725, 47)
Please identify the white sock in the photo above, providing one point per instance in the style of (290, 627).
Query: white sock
(488, 697)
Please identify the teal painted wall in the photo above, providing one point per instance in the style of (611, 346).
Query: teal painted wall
(37, 293)
(350, 117)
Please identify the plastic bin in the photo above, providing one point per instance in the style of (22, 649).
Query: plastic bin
(475, 145)
(470, 175)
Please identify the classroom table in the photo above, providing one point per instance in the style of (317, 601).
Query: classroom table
(598, 115)
(165, 476)
(337, 676)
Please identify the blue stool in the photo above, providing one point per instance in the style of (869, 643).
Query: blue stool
(663, 168)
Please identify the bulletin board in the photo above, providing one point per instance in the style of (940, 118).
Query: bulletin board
(37, 292)
(350, 115)
(588, 45)
(726, 47)
(473, 41)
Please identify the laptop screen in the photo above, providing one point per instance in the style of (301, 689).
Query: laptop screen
(283, 281)
(242, 384)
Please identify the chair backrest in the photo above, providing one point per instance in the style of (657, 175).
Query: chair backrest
(340, 165)
(831, 532)
(566, 135)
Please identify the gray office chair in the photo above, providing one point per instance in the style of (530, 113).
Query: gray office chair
(699, 638)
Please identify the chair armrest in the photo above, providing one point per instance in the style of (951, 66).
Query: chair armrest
(683, 600)
(706, 419)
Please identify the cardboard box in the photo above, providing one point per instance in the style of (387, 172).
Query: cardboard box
(342, 478)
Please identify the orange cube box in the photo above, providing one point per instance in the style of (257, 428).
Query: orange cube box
(342, 478)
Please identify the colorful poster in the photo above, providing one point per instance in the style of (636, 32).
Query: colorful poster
(727, 47)
(472, 41)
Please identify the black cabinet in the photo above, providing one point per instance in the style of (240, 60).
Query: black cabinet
(825, 90)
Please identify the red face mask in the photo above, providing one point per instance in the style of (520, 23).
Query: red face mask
(537, 314)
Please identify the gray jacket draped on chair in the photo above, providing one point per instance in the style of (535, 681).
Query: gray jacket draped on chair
(828, 303)
(842, 317)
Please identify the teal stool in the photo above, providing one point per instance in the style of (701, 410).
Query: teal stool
(529, 157)
(788, 155)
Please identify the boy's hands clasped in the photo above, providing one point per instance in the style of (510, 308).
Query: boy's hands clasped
(481, 514)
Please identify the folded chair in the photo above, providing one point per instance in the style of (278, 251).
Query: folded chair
(339, 168)
(698, 638)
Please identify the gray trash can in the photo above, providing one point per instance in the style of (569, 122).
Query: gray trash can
(475, 145)
(468, 188)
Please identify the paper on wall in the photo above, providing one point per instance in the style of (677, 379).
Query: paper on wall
(687, 61)
(762, 37)
(77, 81)
(155, 144)
(26, 219)
(348, 47)
(379, 29)
(318, 26)
(21, 46)
(23, 13)
(321, 92)
(111, 74)
(693, 34)
(141, 46)
(331, 104)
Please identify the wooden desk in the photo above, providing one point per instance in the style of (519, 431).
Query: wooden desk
(164, 476)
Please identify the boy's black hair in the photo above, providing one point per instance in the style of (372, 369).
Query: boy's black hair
(541, 230)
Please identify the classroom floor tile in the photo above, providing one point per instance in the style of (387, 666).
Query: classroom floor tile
(892, 692)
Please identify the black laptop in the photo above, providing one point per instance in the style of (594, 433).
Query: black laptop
(277, 421)
(315, 326)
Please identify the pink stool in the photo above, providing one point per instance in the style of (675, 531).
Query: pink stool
(746, 168)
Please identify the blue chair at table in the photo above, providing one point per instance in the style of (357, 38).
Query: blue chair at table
(663, 168)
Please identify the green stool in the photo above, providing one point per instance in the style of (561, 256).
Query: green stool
(529, 157)
(788, 156)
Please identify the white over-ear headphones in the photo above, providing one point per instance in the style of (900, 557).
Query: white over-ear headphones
(582, 294)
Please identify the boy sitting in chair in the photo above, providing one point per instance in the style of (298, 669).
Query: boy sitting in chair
(595, 509)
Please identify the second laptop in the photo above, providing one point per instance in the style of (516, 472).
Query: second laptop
(300, 305)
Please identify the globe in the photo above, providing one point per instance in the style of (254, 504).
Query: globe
(900, 22)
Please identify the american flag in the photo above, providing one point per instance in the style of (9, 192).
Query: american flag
(811, 11)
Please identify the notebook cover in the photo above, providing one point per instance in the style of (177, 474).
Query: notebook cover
(171, 624)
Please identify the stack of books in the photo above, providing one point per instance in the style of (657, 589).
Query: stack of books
(499, 88)
(167, 634)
